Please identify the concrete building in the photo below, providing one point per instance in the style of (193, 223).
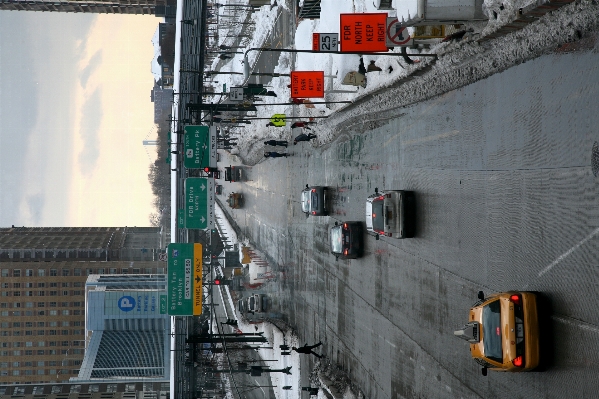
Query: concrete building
(42, 278)
(95, 390)
(159, 8)
(127, 328)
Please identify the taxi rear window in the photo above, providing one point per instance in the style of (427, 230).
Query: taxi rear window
(491, 321)
(378, 219)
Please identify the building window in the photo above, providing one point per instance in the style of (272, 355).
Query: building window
(16, 273)
(28, 293)
(4, 272)
(77, 304)
(77, 272)
(77, 284)
(77, 293)
(16, 353)
(76, 332)
(41, 285)
(89, 271)
(16, 305)
(65, 293)
(66, 272)
(65, 332)
(4, 313)
(53, 293)
(41, 313)
(28, 332)
(41, 272)
(29, 343)
(101, 271)
(41, 332)
(52, 304)
(41, 344)
(29, 272)
(28, 304)
(52, 324)
(65, 312)
(41, 371)
(64, 324)
(16, 293)
(76, 312)
(53, 272)
(77, 323)
(28, 285)
(29, 352)
(41, 304)
(16, 324)
(6, 293)
(41, 323)
(112, 271)
(51, 332)
(41, 293)
(53, 285)
(65, 343)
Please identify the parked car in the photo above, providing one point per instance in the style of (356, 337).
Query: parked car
(391, 213)
(235, 200)
(503, 331)
(347, 240)
(315, 200)
(218, 189)
(233, 173)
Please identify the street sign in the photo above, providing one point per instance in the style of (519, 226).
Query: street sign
(307, 84)
(184, 279)
(199, 147)
(199, 203)
(236, 94)
(325, 42)
(363, 32)
(397, 35)
(278, 120)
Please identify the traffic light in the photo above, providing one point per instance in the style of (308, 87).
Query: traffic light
(221, 281)
(209, 169)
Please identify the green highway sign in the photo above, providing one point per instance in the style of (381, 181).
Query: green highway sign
(199, 147)
(184, 279)
(199, 203)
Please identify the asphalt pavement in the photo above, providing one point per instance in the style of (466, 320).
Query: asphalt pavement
(506, 200)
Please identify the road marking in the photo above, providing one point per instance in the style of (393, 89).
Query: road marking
(568, 252)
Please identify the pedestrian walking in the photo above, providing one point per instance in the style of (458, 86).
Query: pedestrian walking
(307, 349)
(303, 137)
(300, 124)
(281, 143)
(274, 154)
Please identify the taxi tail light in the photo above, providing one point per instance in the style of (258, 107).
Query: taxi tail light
(516, 299)
(518, 362)
(345, 251)
(382, 198)
(345, 226)
(313, 212)
(313, 190)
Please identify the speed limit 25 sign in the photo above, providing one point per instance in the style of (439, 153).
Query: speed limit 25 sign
(325, 42)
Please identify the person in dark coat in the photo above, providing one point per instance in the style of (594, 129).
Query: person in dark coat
(300, 124)
(274, 154)
(282, 143)
(303, 137)
(307, 349)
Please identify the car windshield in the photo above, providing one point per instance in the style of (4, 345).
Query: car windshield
(336, 239)
(306, 201)
(378, 219)
(491, 321)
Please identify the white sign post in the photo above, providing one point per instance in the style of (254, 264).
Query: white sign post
(325, 42)
(236, 94)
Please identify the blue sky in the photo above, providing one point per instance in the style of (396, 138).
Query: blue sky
(74, 109)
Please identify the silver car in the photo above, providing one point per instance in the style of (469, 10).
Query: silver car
(315, 200)
(391, 213)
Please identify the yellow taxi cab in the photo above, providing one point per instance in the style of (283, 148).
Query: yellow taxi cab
(503, 331)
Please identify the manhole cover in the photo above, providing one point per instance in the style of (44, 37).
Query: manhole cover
(595, 159)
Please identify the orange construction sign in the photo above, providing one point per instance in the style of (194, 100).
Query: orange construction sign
(363, 32)
(307, 84)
